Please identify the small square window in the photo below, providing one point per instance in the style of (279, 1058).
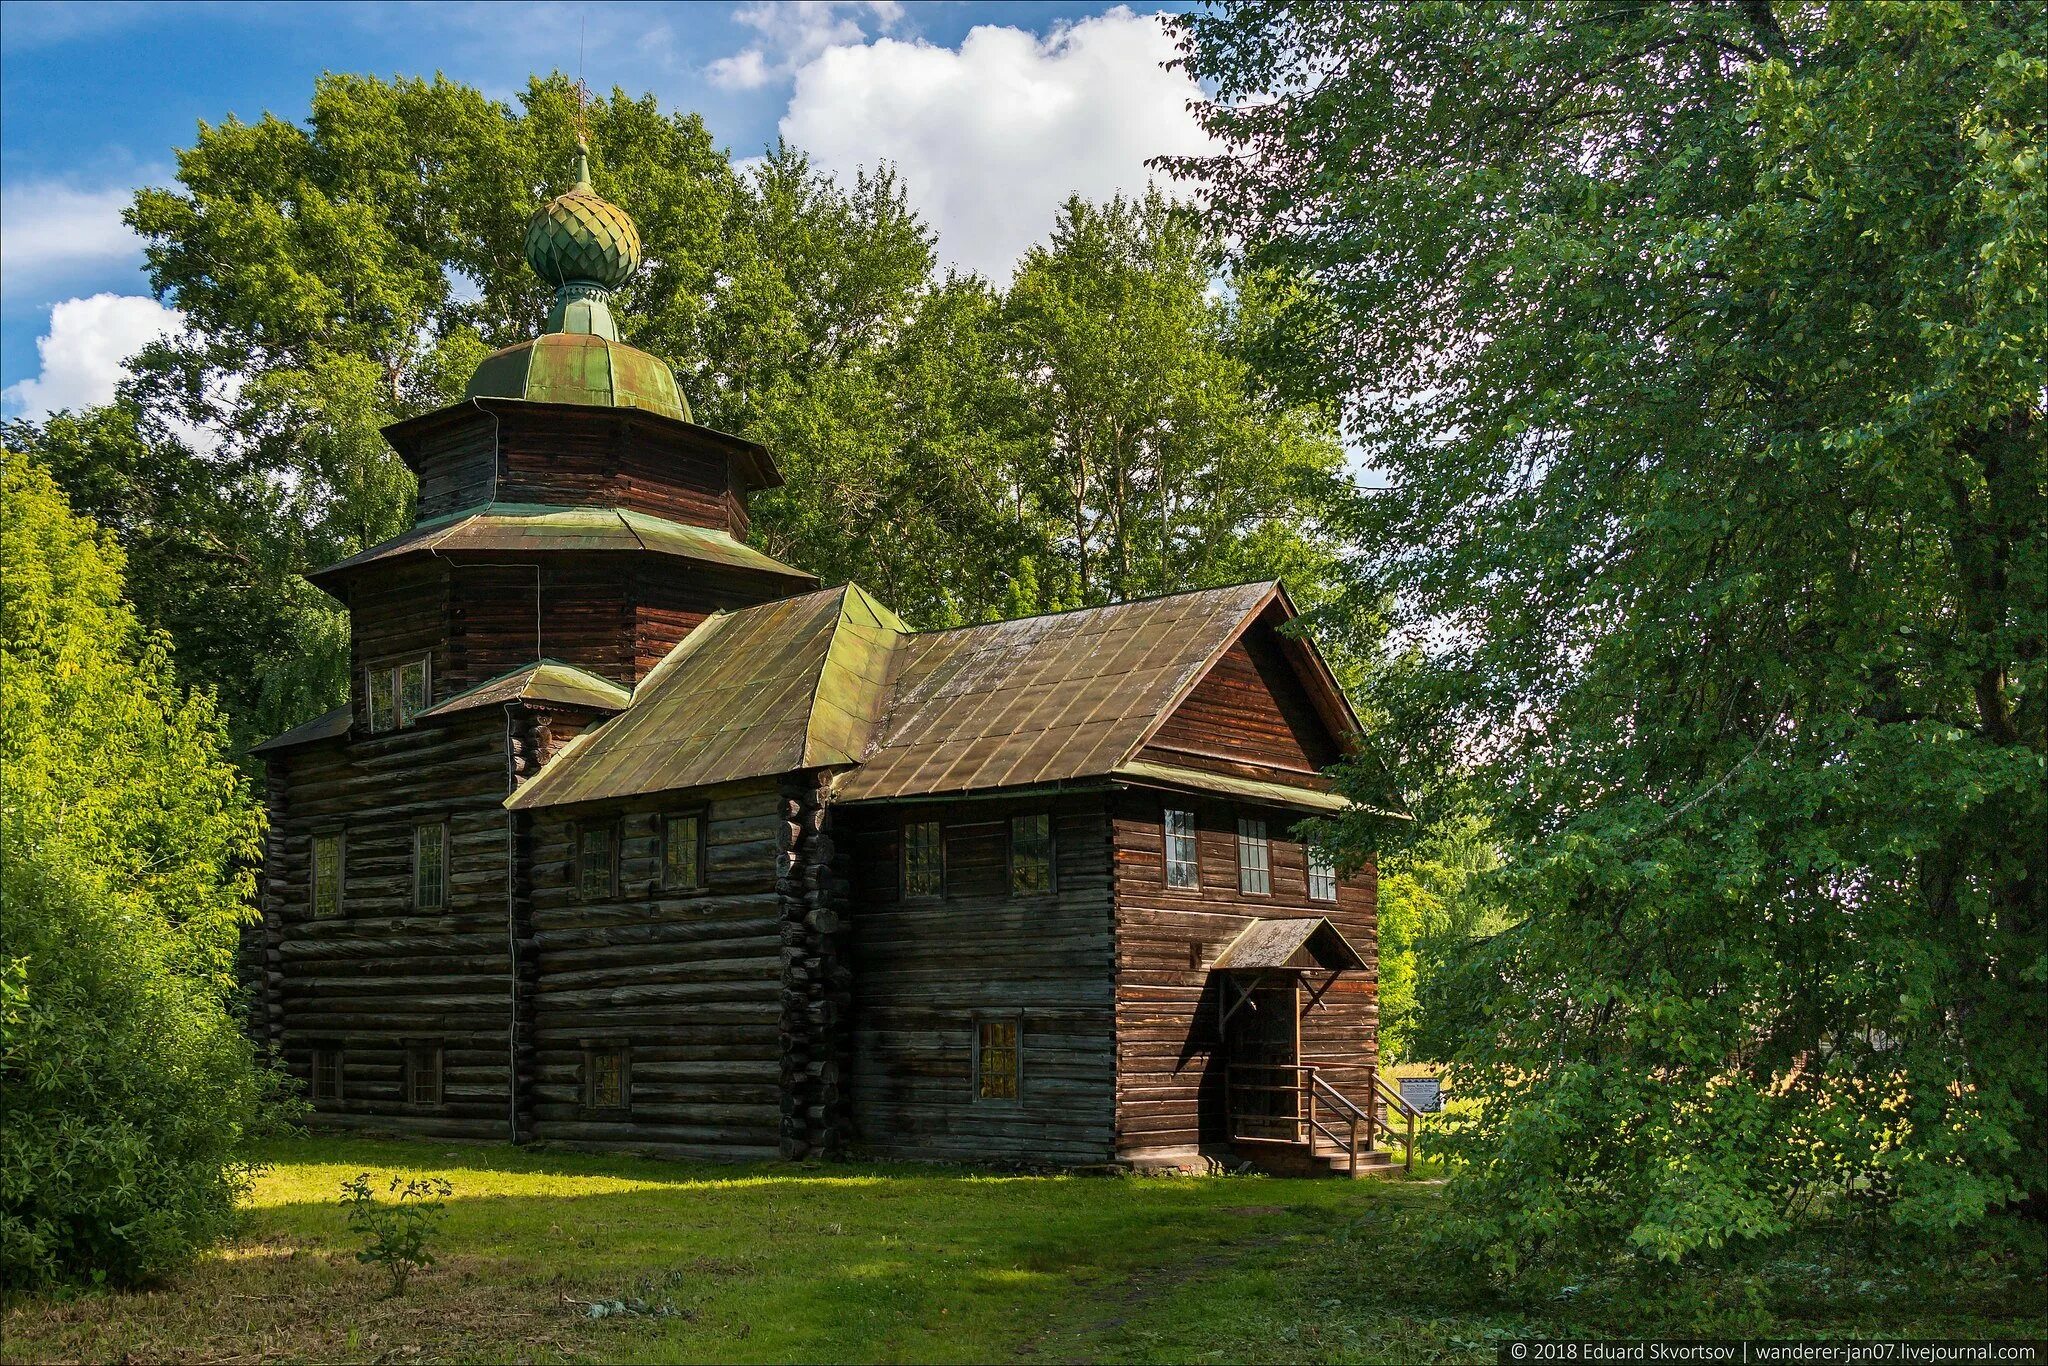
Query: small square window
(1030, 855)
(326, 1074)
(997, 1060)
(327, 856)
(1322, 874)
(430, 866)
(1254, 867)
(682, 853)
(924, 860)
(383, 703)
(606, 1079)
(1182, 869)
(423, 1074)
(412, 690)
(594, 857)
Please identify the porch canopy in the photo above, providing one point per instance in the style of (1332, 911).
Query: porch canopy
(1289, 945)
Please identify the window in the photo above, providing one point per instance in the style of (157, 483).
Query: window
(1181, 869)
(1254, 866)
(423, 1074)
(924, 860)
(327, 853)
(594, 862)
(398, 692)
(605, 1079)
(327, 1074)
(996, 1059)
(1030, 854)
(682, 853)
(1322, 874)
(430, 866)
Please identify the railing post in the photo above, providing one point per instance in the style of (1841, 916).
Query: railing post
(1410, 1163)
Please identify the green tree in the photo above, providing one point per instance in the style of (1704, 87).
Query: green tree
(1702, 348)
(127, 1089)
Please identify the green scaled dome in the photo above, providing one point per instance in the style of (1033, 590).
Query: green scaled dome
(578, 238)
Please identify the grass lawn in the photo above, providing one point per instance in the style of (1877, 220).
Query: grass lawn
(778, 1262)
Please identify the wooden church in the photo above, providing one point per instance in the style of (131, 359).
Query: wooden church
(632, 836)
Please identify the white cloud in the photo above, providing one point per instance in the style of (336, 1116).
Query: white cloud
(49, 230)
(992, 137)
(794, 32)
(84, 355)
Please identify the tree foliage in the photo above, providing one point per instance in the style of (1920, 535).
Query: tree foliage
(126, 1085)
(1702, 348)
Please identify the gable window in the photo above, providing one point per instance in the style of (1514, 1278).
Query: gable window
(430, 866)
(397, 692)
(1254, 859)
(997, 1059)
(606, 1079)
(327, 1074)
(924, 860)
(1031, 854)
(594, 860)
(1322, 874)
(682, 853)
(423, 1074)
(327, 853)
(1181, 867)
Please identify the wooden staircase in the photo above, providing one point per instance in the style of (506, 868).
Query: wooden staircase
(1288, 1120)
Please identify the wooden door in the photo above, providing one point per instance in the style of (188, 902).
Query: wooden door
(1265, 1050)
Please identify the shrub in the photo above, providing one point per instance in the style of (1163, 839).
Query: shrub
(398, 1231)
(127, 1091)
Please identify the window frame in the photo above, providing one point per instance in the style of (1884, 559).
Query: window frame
(1322, 869)
(610, 832)
(337, 1089)
(983, 1020)
(702, 853)
(339, 835)
(1262, 843)
(391, 673)
(1052, 877)
(372, 676)
(440, 827)
(435, 1051)
(1193, 863)
(592, 1050)
(938, 829)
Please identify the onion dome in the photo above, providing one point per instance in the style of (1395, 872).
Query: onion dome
(586, 247)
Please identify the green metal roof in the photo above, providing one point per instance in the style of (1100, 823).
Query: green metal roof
(328, 726)
(550, 680)
(1247, 789)
(580, 367)
(788, 685)
(517, 527)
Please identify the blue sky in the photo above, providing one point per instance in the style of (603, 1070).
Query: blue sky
(992, 111)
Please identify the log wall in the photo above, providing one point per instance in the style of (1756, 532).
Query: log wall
(384, 974)
(925, 970)
(1169, 1071)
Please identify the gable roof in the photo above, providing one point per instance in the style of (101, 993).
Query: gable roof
(549, 680)
(1045, 699)
(1267, 944)
(786, 685)
(532, 526)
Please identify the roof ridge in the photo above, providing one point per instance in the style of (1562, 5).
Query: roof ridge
(1103, 606)
(818, 680)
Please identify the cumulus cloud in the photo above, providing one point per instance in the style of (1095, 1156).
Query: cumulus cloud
(85, 353)
(991, 137)
(794, 32)
(49, 230)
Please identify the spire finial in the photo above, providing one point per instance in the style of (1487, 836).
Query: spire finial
(582, 134)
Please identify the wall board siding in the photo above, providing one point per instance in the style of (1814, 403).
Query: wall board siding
(924, 970)
(1169, 1072)
(1249, 711)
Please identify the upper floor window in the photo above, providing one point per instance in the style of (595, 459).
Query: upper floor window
(1031, 854)
(595, 858)
(397, 692)
(1181, 867)
(924, 860)
(682, 853)
(430, 866)
(998, 1061)
(327, 856)
(1254, 859)
(1322, 874)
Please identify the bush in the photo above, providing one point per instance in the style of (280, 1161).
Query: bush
(127, 1091)
(396, 1233)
